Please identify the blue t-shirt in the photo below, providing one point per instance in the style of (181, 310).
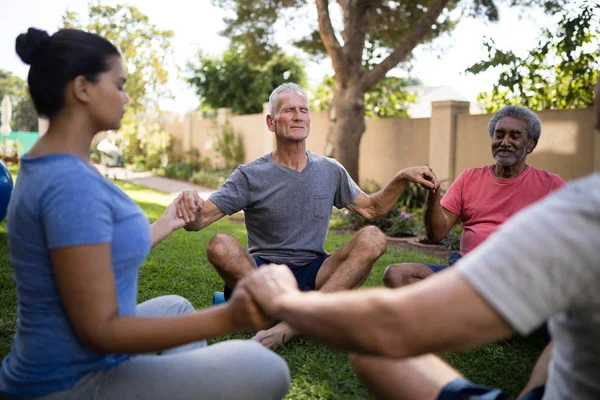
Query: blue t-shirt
(60, 201)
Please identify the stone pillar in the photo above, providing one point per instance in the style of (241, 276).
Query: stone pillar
(442, 138)
(268, 136)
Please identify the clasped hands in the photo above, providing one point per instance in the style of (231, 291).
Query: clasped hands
(257, 298)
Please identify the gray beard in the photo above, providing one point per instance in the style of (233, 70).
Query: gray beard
(512, 159)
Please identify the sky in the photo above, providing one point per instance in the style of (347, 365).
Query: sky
(196, 25)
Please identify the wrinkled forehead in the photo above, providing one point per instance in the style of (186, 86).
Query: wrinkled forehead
(291, 98)
(511, 124)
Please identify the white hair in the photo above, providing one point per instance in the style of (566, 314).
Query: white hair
(534, 125)
(285, 87)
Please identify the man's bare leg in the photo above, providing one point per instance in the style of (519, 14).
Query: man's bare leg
(231, 261)
(397, 275)
(421, 377)
(347, 268)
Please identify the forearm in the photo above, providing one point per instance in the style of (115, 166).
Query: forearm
(344, 320)
(159, 231)
(197, 225)
(209, 214)
(386, 198)
(433, 217)
(130, 334)
(418, 319)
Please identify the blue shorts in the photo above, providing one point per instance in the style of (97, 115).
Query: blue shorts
(306, 274)
(454, 257)
(462, 389)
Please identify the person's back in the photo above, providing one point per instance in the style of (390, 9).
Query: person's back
(552, 265)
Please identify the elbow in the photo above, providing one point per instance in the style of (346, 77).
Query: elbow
(99, 340)
(98, 345)
(434, 235)
(372, 214)
(371, 217)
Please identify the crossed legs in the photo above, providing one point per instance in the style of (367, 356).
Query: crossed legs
(347, 268)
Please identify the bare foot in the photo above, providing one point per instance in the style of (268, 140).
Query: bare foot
(275, 336)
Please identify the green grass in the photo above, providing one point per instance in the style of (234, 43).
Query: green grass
(179, 266)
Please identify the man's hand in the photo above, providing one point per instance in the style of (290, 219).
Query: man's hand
(424, 176)
(267, 284)
(173, 218)
(190, 205)
(244, 312)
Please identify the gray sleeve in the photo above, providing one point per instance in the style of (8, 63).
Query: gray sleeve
(543, 261)
(233, 195)
(347, 188)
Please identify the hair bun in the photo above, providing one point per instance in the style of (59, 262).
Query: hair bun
(29, 43)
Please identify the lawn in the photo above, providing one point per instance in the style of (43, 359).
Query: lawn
(179, 266)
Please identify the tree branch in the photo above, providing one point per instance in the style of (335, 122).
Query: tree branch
(420, 32)
(357, 15)
(332, 45)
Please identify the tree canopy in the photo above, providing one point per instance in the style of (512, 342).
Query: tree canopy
(558, 73)
(145, 49)
(232, 81)
(389, 98)
(24, 116)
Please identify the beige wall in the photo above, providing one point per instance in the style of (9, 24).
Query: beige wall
(319, 126)
(388, 145)
(252, 128)
(450, 141)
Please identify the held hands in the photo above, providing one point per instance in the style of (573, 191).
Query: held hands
(255, 300)
(245, 314)
(424, 176)
(268, 285)
(183, 209)
(189, 204)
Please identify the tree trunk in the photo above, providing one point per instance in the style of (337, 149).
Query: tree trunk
(346, 126)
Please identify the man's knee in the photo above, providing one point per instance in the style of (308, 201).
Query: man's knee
(374, 239)
(396, 275)
(219, 247)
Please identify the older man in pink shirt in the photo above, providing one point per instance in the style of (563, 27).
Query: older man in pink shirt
(483, 198)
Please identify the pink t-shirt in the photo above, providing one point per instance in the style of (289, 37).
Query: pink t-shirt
(483, 201)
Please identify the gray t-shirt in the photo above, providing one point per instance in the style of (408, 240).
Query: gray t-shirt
(545, 263)
(287, 212)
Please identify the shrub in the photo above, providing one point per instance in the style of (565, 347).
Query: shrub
(230, 147)
(210, 179)
(179, 171)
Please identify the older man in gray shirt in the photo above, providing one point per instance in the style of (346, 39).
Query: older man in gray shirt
(287, 197)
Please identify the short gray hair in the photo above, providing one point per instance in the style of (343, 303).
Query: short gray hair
(534, 125)
(285, 87)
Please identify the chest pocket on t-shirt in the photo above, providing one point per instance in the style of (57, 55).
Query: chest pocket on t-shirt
(323, 205)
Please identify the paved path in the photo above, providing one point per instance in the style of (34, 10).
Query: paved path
(154, 182)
